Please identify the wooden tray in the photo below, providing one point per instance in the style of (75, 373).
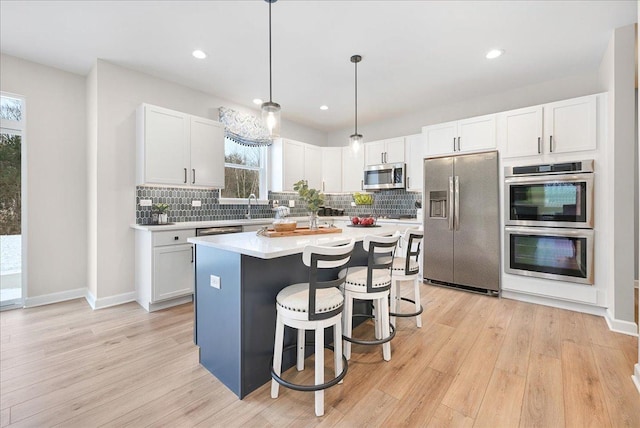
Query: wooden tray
(302, 231)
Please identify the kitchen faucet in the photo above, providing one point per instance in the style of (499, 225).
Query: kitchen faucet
(248, 215)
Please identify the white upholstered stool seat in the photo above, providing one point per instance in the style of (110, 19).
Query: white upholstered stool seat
(372, 283)
(313, 305)
(407, 268)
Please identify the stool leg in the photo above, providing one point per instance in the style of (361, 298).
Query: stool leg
(277, 354)
(319, 373)
(337, 351)
(416, 285)
(347, 322)
(376, 318)
(384, 320)
(300, 363)
(394, 299)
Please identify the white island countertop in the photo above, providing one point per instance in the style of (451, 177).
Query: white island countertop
(251, 244)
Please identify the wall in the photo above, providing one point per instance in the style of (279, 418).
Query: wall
(617, 76)
(55, 137)
(554, 90)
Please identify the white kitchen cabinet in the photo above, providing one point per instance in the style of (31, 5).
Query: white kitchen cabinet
(352, 169)
(292, 161)
(559, 127)
(467, 135)
(332, 169)
(175, 148)
(384, 151)
(163, 268)
(416, 149)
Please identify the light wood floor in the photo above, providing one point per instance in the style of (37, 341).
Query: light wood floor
(477, 361)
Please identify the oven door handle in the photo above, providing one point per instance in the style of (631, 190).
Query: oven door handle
(456, 203)
(450, 199)
(549, 178)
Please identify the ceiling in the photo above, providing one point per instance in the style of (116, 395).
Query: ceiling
(416, 54)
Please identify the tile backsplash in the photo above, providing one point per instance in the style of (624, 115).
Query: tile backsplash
(391, 203)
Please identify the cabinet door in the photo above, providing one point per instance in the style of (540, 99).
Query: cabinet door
(394, 150)
(477, 133)
(374, 152)
(293, 163)
(207, 153)
(313, 166)
(521, 132)
(352, 169)
(332, 169)
(441, 138)
(570, 125)
(416, 152)
(172, 271)
(165, 152)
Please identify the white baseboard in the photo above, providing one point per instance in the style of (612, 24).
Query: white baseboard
(47, 299)
(106, 302)
(636, 376)
(554, 303)
(620, 326)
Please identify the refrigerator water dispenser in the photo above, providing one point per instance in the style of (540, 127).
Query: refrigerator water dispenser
(438, 204)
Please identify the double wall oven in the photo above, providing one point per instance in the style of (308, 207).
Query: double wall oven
(549, 221)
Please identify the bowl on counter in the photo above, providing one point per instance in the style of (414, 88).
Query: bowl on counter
(285, 225)
(362, 221)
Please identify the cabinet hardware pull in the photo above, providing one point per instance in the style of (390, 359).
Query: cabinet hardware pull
(192, 254)
(454, 144)
(194, 176)
(323, 185)
(361, 184)
(408, 182)
(185, 176)
(458, 143)
(539, 145)
(550, 143)
(176, 238)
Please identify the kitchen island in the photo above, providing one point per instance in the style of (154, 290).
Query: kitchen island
(237, 279)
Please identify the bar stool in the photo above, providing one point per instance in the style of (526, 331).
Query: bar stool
(313, 305)
(407, 268)
(371, 282)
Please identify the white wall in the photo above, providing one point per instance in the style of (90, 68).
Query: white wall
(56, 190)
(541, 93)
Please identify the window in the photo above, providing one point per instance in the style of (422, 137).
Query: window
(244, 171)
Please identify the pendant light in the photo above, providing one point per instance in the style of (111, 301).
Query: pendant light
(271, 110)
(355, 140)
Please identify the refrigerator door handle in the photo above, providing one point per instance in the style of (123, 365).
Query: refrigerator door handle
(450, 199)
(456, 203)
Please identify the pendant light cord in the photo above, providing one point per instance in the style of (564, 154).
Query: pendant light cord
(356, 97)
(270, 78)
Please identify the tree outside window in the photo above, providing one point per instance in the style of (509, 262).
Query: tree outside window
(244, 170)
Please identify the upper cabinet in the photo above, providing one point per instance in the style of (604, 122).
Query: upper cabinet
(332, 169)
(560, 127)
(468, 135)
(384, 151)
(416, 151)
(292, 161)
(175, 148)
(352, 169)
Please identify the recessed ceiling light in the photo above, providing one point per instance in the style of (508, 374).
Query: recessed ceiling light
(324, 108)
(199, 54)
(257, 101)
(494, 53)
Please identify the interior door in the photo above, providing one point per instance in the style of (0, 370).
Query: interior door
(476, 239)
(438, 242)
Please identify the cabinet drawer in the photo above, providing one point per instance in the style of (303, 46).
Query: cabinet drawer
(172, 237)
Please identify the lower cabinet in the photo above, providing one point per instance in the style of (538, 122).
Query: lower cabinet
(164, 268)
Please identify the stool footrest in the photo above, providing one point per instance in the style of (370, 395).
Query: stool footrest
(406, 314)
(371, 342)
(309, 388)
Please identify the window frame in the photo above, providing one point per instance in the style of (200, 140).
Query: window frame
(263, 174)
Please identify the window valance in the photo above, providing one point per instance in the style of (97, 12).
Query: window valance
(244, 128)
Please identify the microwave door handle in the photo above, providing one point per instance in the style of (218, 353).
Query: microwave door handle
(450, 199)
(456, 203)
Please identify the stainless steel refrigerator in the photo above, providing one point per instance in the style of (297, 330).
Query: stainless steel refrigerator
(461, 223)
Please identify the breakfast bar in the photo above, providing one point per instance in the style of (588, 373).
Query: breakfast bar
(237, 279)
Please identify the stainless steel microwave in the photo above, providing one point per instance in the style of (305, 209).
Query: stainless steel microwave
(384, 176)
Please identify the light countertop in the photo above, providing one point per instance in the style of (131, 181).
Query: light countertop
(250, 244)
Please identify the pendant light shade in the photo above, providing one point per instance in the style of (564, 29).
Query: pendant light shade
(355, 140)
(271, 110)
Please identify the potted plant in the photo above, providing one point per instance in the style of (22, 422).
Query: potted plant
(162, 210)
(313, 198)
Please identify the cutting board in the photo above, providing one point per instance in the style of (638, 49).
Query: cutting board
(302, 231)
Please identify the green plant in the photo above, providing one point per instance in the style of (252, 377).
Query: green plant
(161, 208)
(312, 197)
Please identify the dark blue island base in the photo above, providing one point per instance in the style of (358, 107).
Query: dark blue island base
(235, 324)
